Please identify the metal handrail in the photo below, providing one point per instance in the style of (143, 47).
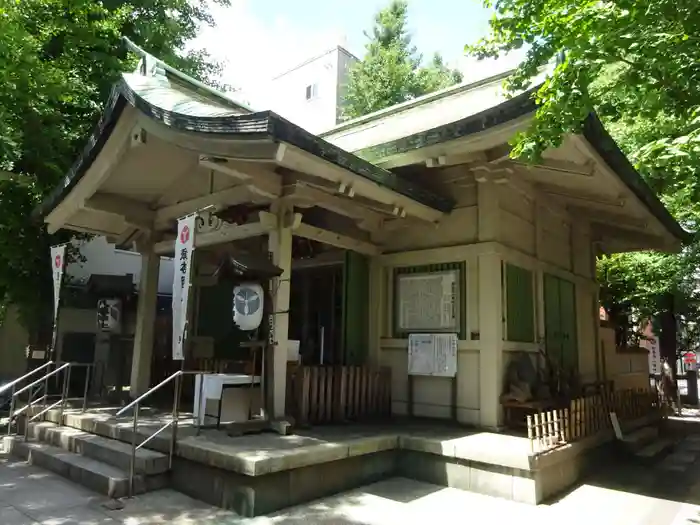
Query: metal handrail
(85, 387)
(143, 396)
(25, 376)
(45, 410)
(155, 434)
(136, 404)
(41, 379)
(44, 379)
(63, 396)
(12, 385)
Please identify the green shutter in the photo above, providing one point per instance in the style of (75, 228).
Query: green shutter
(552, 318)
(560, 322)
(520, 307)
(569, 348)
(356, 308)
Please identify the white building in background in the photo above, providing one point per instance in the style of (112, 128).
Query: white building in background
(104, 258)
(311, 94)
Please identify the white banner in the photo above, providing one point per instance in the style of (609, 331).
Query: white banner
(184, 248)
(58, 264)
(651, 343)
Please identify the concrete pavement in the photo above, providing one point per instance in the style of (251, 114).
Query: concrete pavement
(667, 493)
(32, 496)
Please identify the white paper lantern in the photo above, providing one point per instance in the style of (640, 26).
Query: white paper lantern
(248, 306)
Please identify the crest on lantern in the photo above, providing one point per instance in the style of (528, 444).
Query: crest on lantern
(248, 301)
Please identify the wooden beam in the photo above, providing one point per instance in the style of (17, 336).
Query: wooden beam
(376, 208)
(607, 218)
(443, 161)
(498, 153)
(561, 166)
(227, 233)
(581, 195)
(341, 205)
(336, 239)
(641, 240)
(85, 229)
(505, 176)
(261, 181)
(329, 258)
(301, 161)
(131, 211)
(217, 200)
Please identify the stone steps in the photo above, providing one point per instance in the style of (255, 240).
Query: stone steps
(96, 462)
(110, 451)
(654, 449)
(640, 438)
(646, 445)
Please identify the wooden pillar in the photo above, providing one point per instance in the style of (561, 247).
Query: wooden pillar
(490, 309)
(280, 247)
(145, 322)
(491, 367)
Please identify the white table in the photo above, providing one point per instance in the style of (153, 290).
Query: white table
(232, 403)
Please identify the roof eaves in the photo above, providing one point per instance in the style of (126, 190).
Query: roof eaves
(511, 109)
(285, 131)
(520, 106)
(251, 125)
(99, 136)
(594, 132)
(418, 101)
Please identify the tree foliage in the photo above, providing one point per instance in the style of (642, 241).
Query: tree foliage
(637, 64)
(58, 61)
(391, 70)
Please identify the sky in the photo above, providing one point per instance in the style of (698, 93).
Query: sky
(258, 39)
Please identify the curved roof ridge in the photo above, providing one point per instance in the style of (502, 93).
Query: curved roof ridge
(158, 67)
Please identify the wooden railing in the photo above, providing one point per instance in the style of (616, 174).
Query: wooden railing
(334, 394)
(587, 416)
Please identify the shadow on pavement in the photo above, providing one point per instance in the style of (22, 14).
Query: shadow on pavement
(628, 490)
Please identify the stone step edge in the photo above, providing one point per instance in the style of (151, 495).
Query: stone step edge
(654, 449)
(149, 462)
(96, 475)
(108, 428)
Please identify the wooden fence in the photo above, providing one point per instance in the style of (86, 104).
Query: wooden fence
(587, 416)
(334, 394)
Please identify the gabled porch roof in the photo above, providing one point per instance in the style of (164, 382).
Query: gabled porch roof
(166, 146)
(472, 124)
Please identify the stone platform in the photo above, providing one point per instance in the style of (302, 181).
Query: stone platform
(259, 474)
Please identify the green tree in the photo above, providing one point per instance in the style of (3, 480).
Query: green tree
(58, 61)
(637, 63)
(391, 72)
(437, 75)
